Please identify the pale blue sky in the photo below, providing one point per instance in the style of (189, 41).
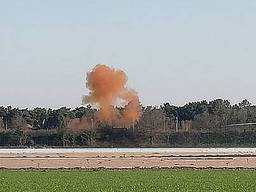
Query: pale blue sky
(176, 51)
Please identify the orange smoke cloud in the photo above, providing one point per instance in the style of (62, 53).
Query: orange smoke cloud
(108, 90)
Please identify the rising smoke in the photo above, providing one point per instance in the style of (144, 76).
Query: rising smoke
(118, 105)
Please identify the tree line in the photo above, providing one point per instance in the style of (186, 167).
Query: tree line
(197, 124)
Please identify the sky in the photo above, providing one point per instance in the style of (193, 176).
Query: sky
(175, 51)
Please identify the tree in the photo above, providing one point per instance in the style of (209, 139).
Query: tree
(1, 123)
(40, 116)
(219, 107)
(3, 115)
(152, 124)
(245, 103)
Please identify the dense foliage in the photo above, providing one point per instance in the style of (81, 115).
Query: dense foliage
(214, 123)
(129, 180)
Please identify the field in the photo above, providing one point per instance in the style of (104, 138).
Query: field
(129, 180)
(124, 158)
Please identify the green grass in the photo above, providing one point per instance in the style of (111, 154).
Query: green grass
(129, 180)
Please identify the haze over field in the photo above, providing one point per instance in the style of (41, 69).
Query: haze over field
(174, 51)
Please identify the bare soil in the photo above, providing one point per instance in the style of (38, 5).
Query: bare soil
(121, 160)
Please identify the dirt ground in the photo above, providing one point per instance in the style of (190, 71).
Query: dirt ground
(121, 160)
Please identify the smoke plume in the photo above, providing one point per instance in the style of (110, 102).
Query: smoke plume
(118, 105)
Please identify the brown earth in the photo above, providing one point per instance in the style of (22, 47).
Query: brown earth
(120, 160)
